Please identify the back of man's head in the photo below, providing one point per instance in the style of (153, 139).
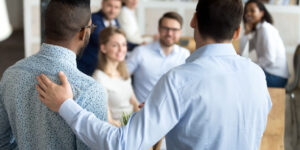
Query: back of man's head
(64, 18)
(218, 19)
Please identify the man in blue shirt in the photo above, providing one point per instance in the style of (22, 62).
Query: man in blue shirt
(217, 100)
(25, 123)
(107, 16)
(149, 62)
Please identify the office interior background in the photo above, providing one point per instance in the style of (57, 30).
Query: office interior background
(25, 17)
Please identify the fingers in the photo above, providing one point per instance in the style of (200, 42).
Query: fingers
(40, 90)
(63, 78)
(46, 80)
(41, 83)
(141, 105)
(41, 98)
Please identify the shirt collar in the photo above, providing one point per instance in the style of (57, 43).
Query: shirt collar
(59, 53)
(107, 22)
(216, 49)
(158, 48)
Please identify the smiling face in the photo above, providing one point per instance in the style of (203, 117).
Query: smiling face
(253, 14)
(169, 32)
(115, 49)
(111, 8)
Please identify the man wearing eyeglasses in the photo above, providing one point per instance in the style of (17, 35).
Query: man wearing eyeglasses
(25, 123)
(149, 62)
(106, 17)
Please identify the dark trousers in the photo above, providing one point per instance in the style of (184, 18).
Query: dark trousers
(275, 81)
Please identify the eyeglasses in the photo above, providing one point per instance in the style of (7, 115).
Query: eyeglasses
(169, 29)
(92, 27)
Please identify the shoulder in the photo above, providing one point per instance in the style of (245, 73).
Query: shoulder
(141, 50)
(267, 28)
(99, 74)
(88, 92)
(23, 67)
(96, 15)
(97, 18)
(181, 75)
(183, 50)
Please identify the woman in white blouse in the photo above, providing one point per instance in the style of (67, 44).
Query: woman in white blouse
(113, 76)
(265, 40)
(129, 25)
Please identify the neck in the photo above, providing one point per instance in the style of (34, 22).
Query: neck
(106, 19)
(112, 68)
(167, 49)
(131, 7)
(200, 43)
(66, 45)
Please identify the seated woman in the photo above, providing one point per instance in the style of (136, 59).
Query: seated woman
(113, 76)
(265, 40)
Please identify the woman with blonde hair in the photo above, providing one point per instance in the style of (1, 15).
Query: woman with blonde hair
(113, 76)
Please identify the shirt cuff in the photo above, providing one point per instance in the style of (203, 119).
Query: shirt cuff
(69, 109)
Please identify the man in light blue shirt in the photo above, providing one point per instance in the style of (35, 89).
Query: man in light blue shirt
(25, 123)
(149, 62)
(217, 100)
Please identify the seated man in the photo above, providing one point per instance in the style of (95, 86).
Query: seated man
(25, 123)
(149, 62)
(87, 63)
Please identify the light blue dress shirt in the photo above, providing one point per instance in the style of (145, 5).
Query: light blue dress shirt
(216, 101)
(148, 64)
(24, 117)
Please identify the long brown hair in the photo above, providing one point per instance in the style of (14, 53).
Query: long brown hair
(104, 37)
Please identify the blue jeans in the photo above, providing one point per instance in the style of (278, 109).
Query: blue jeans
(275, 81)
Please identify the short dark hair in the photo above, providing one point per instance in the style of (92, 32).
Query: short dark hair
(64, 18)
(267, 16)
(171, 15)
(218, 19)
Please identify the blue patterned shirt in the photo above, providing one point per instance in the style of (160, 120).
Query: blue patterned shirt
(25, 123)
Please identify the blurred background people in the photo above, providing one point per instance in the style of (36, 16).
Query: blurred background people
(149, 62)
(265, 40)
(129, 24)
(107, 16)
(112, 74)
(5, 26)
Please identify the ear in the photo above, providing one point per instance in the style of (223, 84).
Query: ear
(102, 49)
(236, 33)
(82, 34)
(193, 22)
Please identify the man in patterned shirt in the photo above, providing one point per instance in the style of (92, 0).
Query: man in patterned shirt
(25, 123)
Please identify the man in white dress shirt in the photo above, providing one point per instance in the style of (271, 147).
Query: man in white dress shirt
(216, 101)
(148, 63)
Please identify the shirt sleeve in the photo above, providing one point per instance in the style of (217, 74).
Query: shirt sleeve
(133, 61)
(6, 138)
(93, 100)
(144, 128)
(267, 47)
(242, 45)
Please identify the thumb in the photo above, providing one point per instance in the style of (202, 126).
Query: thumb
(63, 79)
